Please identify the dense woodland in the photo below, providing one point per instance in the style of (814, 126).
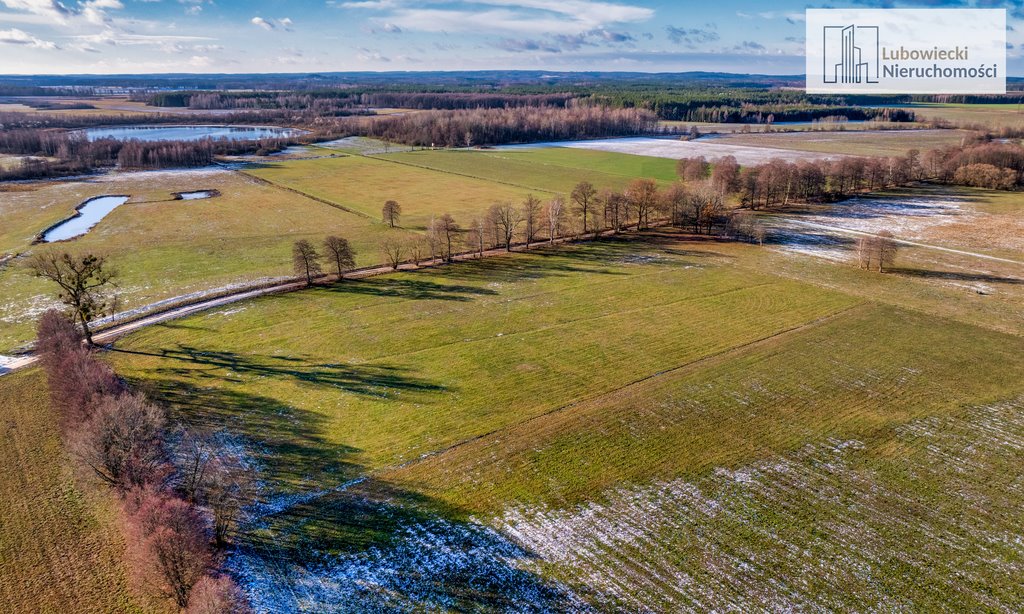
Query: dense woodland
(58, 153)
(496, 126)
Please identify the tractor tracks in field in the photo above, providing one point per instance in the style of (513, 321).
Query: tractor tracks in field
(691, 365)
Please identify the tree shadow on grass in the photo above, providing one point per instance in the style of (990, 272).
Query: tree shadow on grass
(413, 289)
(375, 380)
(956, 276)
(385, 548)
(319, 537)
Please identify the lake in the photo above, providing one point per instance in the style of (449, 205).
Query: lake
(89, 214)
(188, 133)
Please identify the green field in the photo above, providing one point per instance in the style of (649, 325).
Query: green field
(463, 183)
(538, 392)
(993, 116)
(61, 547)
(164, 248)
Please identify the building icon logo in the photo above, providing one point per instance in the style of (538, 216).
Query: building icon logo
(851, 54)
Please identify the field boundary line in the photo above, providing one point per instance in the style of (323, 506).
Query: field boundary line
(467, 175)
(698, 362)
(318, 199)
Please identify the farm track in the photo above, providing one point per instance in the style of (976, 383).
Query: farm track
(108, 335)
(951, 250)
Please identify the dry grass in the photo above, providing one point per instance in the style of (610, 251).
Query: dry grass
(853, 142)
(60, 550)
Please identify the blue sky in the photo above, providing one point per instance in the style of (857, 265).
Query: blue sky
(146, 36)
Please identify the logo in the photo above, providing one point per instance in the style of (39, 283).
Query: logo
(850, 54)
(906, 51)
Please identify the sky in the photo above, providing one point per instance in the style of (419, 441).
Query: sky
(225, 36)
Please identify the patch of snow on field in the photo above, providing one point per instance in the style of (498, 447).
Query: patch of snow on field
(432, 566)
(817, 530)
(832, 233)
(676, 149)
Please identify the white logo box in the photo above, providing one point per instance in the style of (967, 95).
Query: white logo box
(906, 51)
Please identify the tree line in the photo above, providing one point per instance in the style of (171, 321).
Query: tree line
(56, 153)
(466, 128)
(178, 507)
(343, 99)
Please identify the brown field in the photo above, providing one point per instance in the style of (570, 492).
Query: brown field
(852, 142)
(61, 550)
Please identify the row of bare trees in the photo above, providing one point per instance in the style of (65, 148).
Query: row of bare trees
(308, 261)
(176, 515)
(777, 183)
(697, 205)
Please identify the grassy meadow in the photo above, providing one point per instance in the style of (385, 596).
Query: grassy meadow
(554, 396)
(462, 183)
(993, 116)
(163, 247)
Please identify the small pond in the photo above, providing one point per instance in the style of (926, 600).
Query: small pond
(196, 195)
(188, 133)
(88, 215)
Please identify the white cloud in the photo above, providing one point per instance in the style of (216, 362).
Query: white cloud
(273, 24)
(14, 36)
(503, 16)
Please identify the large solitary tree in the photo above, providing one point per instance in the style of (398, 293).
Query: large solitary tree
(85, 282)
(340, 253)
(391, 212)
(306, 260)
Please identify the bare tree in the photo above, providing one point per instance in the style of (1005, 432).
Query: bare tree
(447, 231)
(121, 441)
(306, 260)
(673, 201)
(341, 253)
(169, 535)
(583, 197)
(194, 453)
(693, 169)
(217, 595)
(476, 236)
(84, 281)
(705, 207)
(531, 218)
(433, 239)
(555, 213)
(887, 248)
(228, 489)
(725, 176)
(77, 381)
(391, 212)
(417, 250)
(614, 209)
(643, 197)
(393, 250)
(877, 251)
(506, 220)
